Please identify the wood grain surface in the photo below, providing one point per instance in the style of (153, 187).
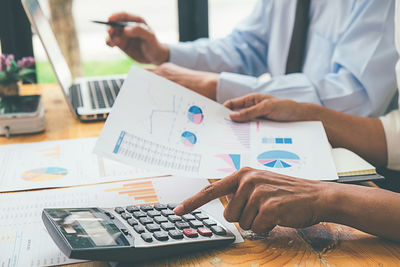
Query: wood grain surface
(325, 244)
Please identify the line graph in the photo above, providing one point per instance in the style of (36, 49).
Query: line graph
(154, 112)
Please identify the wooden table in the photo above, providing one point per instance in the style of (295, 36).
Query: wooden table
(325, 244)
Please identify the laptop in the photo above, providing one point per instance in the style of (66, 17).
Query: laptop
(89, 98)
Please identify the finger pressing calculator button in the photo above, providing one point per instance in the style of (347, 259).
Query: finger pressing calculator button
(188, 217)
(195, 224)
(182, 225)
(145, 220)
(201, 216)
(160, 219)
(132, 209)
(209, 223)
(126, 215)
(168, 226)
(172, 206)
(160, 207)
(176, 234)
(166, 213)
(152, 227)
(139, 214)
(146, 207)
(174, 218)
(147, 237)
(132, 222)
(218, 230)
(189, 232)
(161, 236)
(204, 231)
(153, 213)
(119, 210)
(139, 229)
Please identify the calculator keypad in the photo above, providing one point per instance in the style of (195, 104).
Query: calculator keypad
(159, 223)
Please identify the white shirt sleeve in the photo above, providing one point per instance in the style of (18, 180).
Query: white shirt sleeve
(391, 125)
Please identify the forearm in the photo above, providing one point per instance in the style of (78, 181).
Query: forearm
(364, 136)
(372, 210)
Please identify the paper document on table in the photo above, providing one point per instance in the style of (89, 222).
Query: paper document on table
(58, 164)
(24, 240)
(158, 124)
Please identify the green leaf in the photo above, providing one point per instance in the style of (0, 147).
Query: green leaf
(25, 72)
(3, 77)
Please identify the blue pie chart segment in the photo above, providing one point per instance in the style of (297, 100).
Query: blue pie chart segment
(189, 139)
(278, 159)
(195, 114)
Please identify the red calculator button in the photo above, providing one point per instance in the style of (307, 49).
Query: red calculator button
(204, 231)
(189, 232)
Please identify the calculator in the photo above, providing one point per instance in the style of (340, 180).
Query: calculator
(133, 233)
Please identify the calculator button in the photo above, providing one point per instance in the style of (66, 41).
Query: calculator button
(175, 234)
(204, 231)
(201, 216)
(139, 214)
(153, 213)
(146, 207)
(168, 226)
(160, 219)
(147, 237)
(218, 230)
(209, 223)
(189, 232)
(139, 229)
(126, 232)
(174, 218)
(152, 227)
(161, 236)
(145, 220)
(166, 213)
(132, 222)
(160, 206)
(172, 206)
(195, 212)
(182, 225)
(132, 209)
(188, 217)
(126, 216)
(195, 224)
(119, 210)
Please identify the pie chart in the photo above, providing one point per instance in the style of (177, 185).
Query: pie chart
(188, 139)
(44, 174)
(195, 114)
(278, 159)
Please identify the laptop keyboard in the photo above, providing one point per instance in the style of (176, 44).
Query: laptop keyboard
(103, 93)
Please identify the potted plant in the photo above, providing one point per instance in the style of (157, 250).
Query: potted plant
(13, 72)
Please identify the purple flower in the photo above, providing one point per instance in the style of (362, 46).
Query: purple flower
(9, 60)
(26, 62)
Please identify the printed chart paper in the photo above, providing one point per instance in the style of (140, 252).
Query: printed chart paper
(59, 163)
(24, 240)
(158, 124)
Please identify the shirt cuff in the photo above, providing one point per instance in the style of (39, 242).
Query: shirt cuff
(231, 85)
(391, 125)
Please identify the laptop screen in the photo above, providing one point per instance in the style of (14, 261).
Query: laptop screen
(49, 42)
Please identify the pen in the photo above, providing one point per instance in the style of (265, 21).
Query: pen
(117, 24)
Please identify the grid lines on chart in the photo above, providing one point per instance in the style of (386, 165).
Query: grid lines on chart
(134, 147)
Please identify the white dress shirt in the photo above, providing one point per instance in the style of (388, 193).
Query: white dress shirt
(349, 64)
(391, 122)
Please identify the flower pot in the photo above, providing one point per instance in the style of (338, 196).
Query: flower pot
(11, 89)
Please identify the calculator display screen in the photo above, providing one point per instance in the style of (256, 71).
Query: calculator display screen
(86, 228)
(19, 104)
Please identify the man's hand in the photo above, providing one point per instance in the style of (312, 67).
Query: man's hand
(261, 200)
(138, 41)
(255, 106)
(204, 83)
